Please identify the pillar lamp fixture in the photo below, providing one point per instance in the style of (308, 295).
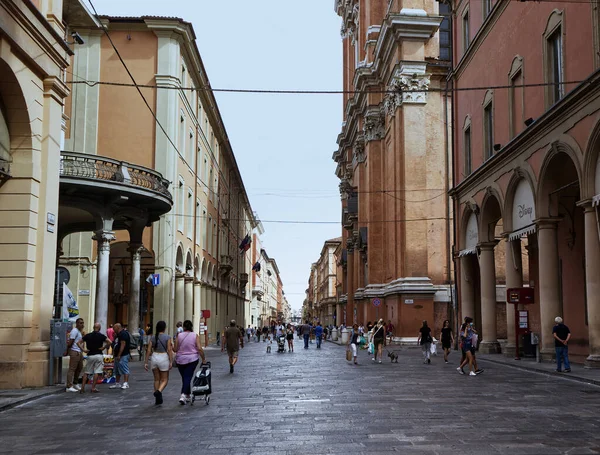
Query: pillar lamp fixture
(529, 121)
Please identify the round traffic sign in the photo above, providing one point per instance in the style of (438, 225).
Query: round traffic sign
(376, 302)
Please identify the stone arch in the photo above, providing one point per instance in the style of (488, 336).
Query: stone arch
(179, 258)
(14, 113)
(519, 175)
(469, 237)
(561, 167)
(591, 177)
(491, 213)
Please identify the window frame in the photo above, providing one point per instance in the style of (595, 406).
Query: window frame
(555, 27)
(467, 151)
(190, 213)
(488, 125)
(198, 227)
(181, 205)
(516, 71)
(466, 31)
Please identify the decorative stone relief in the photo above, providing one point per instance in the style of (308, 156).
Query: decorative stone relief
(409, 84)
(358, 150)
(374, 124)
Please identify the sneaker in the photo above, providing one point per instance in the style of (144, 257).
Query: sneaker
(231, 368)
(568, 370)
(379, 361)
(125, 385)
(182, 399)
(72, 389)
(472, 373)
(428, 361)
(159, 397)
(460, 370)
(373, 359)
(116, 385)
(77, 386)
(479, 371)
(445, 361)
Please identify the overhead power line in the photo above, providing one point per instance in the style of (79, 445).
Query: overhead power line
(320, 92)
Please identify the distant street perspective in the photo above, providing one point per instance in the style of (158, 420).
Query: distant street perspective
(321, 226)
(314, 401)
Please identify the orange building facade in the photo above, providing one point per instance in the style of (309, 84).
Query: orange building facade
(393, 164)
(527, 168)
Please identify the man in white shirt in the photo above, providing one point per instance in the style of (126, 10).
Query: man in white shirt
(75, 356)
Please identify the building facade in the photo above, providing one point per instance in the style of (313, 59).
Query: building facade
(194, 248)
(393, 162)
(527, 169)
(34, 55)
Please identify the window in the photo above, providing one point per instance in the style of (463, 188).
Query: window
(204, 228)
(555, 69)
(180, 205)
(445, 31)
(209, 183)
(183, 76)
(181, 144)
(214, 243)
(191, 147)
(205, 175)
(209, 235)
(198, 222)
(487, 7)
(554, 58)
(467, 149)
(465, 31)
(190, 213)
(488, 130)
(516, 98)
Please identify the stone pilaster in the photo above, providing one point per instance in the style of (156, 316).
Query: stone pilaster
(489, 343)
(592, 280)
(514, 279)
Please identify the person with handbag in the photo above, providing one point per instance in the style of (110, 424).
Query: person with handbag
(159, 351)
(353, 343)
(188, 349)
(425, 341)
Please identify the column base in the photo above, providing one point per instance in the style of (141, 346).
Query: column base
(489, 347)
(508, 350)
(592, 361)
(547, 355)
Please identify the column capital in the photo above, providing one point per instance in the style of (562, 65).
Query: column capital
(487, 246)
(587, 205)
(135, 248)
(179, 276)
(104, 238)
(188, 278)
(547, 223)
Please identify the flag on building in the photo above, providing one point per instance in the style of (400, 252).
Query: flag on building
(70, 308)
(245, 245)
(256, 267)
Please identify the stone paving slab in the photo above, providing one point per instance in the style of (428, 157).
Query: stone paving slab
(11, 398)
(313, 401)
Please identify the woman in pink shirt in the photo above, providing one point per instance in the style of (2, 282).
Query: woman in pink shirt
(188, 349)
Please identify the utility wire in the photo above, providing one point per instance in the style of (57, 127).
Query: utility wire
(314, 221)
(319, 92)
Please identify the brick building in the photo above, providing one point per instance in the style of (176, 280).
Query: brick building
(393, 163)
(527, 169)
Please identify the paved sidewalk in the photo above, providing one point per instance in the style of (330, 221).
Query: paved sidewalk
(578, 372)
(11, 398)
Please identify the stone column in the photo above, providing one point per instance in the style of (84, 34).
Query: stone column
(197, 305)
(548, 282)
(188, 306)
(592, 283)
(514, 279)
(467, 287)
(489, 343)
(351, 289)
(179, 314)
(133, 311)
(103, 237)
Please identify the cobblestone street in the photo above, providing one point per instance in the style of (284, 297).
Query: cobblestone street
(315, 402)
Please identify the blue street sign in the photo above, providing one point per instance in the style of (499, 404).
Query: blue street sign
(156, 279)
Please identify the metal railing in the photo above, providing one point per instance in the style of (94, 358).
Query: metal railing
(95, 167)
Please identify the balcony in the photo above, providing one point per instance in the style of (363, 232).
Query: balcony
(226, 264)
(94, 189)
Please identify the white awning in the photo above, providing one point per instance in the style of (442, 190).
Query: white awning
(467, 251)
(522, 232)
(596, 200)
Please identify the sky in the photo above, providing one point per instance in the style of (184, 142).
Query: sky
(282, 143)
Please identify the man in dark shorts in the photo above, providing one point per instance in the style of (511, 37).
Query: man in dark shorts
(234, 339)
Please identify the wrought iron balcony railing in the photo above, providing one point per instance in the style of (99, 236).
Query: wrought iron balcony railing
(100, 168)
